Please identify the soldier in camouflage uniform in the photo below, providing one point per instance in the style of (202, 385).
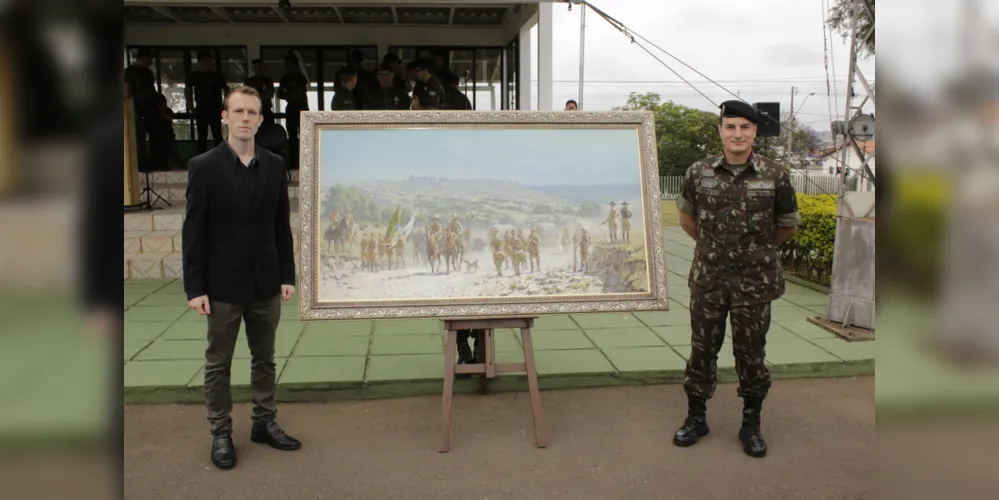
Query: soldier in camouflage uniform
(738, 207)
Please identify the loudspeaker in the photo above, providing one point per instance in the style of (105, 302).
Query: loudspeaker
(769, 125)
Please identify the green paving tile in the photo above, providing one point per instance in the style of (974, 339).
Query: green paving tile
(590, 362)
(289, 312)
(506, 340)
(406, 367)
(132, 298)
(290, 329)
(340, 328)
(807, 298)
(806, 330)
(175, 373)
(555, 322)
(790, 313)
(132, 347)
(674, 335)
(560, 339)
(192, 316)
(145, 330)
(623, 337)
(187, 330)
(406, 344)
(320, 344)
(313, 370)
(606, 320)
(155, 313)
(175, 287)
(681, 301)
(725, 357)
(776, 334)
(795, 352)
(408, 327)
(675, 316)
(174, 350)
(239, 372)
(164, 299)
(847, 351)
(645, 359)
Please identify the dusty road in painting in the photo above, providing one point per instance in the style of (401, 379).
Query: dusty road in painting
(341, 279)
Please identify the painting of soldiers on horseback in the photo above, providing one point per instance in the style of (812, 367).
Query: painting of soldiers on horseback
(563, 216)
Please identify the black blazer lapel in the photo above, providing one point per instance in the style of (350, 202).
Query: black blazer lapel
(225, 161)
(263, 171)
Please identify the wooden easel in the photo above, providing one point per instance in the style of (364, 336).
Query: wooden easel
(489, 368)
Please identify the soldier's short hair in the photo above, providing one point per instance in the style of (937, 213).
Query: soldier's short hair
(245, 90)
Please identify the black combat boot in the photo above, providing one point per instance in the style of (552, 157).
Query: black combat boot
(696, 425)
(464, 353)
(750, 435)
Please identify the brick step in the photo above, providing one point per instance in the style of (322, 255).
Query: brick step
(172, 219)
(155, 242)
(180, 177)
(178, 191)
(157, 265)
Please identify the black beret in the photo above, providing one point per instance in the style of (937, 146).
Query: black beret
(739, 109)
(385, 67)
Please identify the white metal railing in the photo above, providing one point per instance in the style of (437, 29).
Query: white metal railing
(804, 183)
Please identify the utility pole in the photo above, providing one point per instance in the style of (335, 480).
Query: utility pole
(582, 50)
(790, 126)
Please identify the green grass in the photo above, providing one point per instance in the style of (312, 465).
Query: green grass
(669, 213)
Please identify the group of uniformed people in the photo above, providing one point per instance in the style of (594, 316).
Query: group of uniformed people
(424, 84)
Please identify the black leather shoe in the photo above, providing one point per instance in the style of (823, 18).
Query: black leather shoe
(223, 451)
(750, 435)
(695, 426)
(272, 434)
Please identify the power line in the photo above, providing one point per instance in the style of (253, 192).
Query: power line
(631, 34)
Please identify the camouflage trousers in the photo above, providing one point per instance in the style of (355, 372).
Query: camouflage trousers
(749, 339)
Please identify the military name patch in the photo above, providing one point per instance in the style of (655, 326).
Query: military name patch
(766, 185)
(708, 191)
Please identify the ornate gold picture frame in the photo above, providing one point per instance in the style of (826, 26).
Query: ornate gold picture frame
(414, 214)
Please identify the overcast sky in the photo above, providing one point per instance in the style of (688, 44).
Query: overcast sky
(759, 49)
(528, 157)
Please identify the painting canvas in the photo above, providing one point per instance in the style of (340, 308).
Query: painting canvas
(479, 214)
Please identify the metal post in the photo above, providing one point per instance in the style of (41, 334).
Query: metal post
(582, 50)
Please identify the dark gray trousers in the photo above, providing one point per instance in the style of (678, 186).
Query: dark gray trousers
(261, 319)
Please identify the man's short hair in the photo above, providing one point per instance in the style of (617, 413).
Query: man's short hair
(245, 90)
(345, 73)
(572, 101)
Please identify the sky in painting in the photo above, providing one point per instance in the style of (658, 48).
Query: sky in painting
(537, 157)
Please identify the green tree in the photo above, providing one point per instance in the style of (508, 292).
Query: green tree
(683, 135)
(840, 19)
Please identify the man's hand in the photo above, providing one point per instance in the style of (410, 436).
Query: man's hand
(286, 292)
(689, 225)
(200, 304)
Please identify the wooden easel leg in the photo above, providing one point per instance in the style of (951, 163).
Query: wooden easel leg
(444, 443)
(532, 385)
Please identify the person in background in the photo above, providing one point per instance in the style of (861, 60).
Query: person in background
(429, 93)
(238, 263)
(205, 91)
(264, 85)
(571, 105)
(293, 88)
(453, 97)
(386, 96)
(345, 99)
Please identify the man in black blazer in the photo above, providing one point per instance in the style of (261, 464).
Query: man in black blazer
(238, 266)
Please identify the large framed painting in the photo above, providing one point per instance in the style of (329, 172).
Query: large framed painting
(412, 214)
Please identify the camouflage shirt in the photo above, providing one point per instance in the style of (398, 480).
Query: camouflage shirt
(431, 94)
(737, 209)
